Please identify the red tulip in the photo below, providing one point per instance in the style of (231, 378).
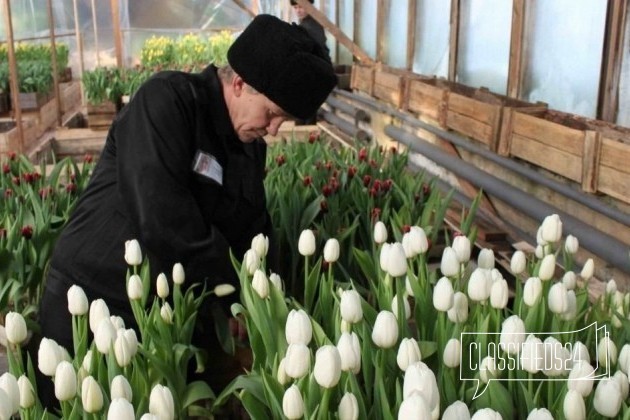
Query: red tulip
(308, 180)
(363, 154)
(27, 232)
(366, 180)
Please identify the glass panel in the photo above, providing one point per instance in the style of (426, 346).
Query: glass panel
(623, 115)
(366, 33)
(346, 24)
(396, 34)
(564, 58)
(484, 44)
(432, 37)
(330, 40)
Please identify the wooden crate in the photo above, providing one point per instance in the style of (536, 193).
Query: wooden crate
(9, 136)
(428, 97)
(5, 102)
(362, 78)
(610, 157)
(100, 116)
(32, 101)
(78, 142)
(70, 94)
(389, 87)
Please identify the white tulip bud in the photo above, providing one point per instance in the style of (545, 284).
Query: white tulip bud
(48, 356)
(120, 409)
(5, 406)
(260, 284)
(65, 381)
(350, 351)
(15, 328)
(479, 285)
(557, 358)
(297, 360)
(260, 244)
(607, 400)
(385, 332)
(105, 335)
(117, 322)
(91, 395)
(133, 254)
(539, 252)
(77, 301)
(456, 411)
(486, 259)
(306, 243)
(120, 388)
(179, 275)
(327, 369)
(547, 267)
(461, 246)
(166, 313)
(532, 354)
(161, 402)
(282, 376)
(443, 294)
(518, 262)
(251, 261)
(611, 287)
(298, 328)
(418, 240)
(397, 260)
(571, 311)
(125, 346)
(622, 380)
(573, 406)
(499, 294)
(539, 414)
(452, 352)
(607, 351)
(558, 298)
(348, 407)
(623, 361)
(331, 250)
(406, 244)
(134, 287)
(581, 378)
(532, 291)
(571, 244)
(408, 287)
(292, 403)
(512, 334)
(580, 352)
(98, 311)
(459, 311)
(408, 353)
(420, 379)
(449, 265)
(149, 416)
(414, 407)
(162, 286)
(27, 392)
(551, 228)
(383, 258)
(276, 281)
(224, 289)
(350, 306)
(588, 269)
(569, 280)
(380, 232)
(9, 384)
(488, 369)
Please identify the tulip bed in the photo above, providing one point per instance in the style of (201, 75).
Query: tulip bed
(366, 317)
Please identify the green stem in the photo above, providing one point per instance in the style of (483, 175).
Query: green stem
(323, 407)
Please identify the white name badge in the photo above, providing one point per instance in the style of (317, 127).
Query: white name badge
(207, 165)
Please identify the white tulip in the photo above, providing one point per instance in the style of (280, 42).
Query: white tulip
(557, 358)
(251, 261)
(86, 364)
(350, 306)
(331, 250)
(133, 253)
(260, 244)
(456, 411)
(91, 395)
(419, 378)
(117, 322)
(15, 328)
(297, 360)
(486, 259)
(292, 403)
(380, 232)
(298, 328)
(449, 265)
(580, 352)
(486, 414)
(611, 287)
(48, 356)
(558, 298)
(571, 244)
(162, 286)
(406, 304)
(306, 243)
(518, 262)
(443, 294)
(547, 267)
(276, 281)
(539, 252)
(260, 284)
(607, 400)
(281, 375)
(607, 351)
(348, 407)
(406, 244)
(27, 392)
(573, 406)
(479, 285)
(571, 311)
(120, 388)
(414, 407)
(134, 287)
(408, 353)
(499, 294)
(451, 355)
(383, 258)
(98, 311)
(125, 346)
(120, 409)
(587, 269)
(459, 311)
(149, 416)
(9, 384)
(532, 291)
(488, 369)
(532, 354)
(623, 361)
(65, 381)
(105, 335)
(408, 287)
(569, 280)
(622, 380)
(418, 240)
(224, 289)
(5, 406)
(512, 334)
(396, 260)
(77, 301)
(166, 313)
(539, 414)
(581, 378)
(327, 369)
(179, 275)
(385, 332)
(161, 402)
(350, 351)
(551, 228)
(461, 246)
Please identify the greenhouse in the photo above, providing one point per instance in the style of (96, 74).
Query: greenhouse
(314, 209)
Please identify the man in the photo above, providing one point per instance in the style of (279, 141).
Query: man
(312, 26)
(182, 171)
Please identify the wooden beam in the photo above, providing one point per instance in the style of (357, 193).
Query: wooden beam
(13, 76)
(337, 22)
(116, 28)
(334, 30)
(454, 40)
(611, 61)
(95, 28)
(53, 61)
(412, 10)
(515, 71)
(244, 7)
(79, 37)
(382, 9)
(356, 21)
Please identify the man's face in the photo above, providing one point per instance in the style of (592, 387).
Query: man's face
(299, 11)
(254, 115)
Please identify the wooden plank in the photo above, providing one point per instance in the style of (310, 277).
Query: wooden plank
(590, 160)
(614, 183)
(473, 108)
(387, 80)
(515, 68)
(453, 40)
(412, 8)
(612, 60)
(382, 10)
(426, 99)
(470, 127)
(549, 133)
(615, 155)
(388, 87)
(550, 158)
(362, 78)
(505, 138)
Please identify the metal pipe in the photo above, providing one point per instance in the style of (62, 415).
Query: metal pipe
(345, 126)
(608, 248)
(582, 198)
(357, 113)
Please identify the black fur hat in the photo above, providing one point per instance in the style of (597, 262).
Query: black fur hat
(284, 63)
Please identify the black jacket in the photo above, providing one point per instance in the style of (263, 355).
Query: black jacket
(144, 187)
(316, 31)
